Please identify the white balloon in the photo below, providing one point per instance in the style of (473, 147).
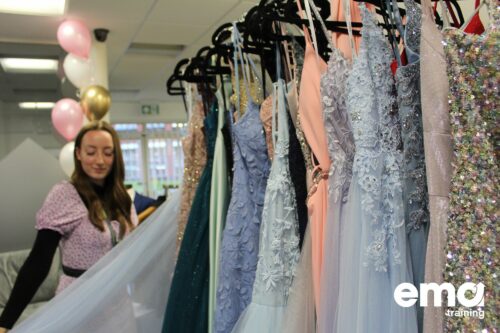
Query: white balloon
(78, 70)
(66, 158)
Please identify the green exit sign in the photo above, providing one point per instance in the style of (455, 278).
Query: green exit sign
(150, 109)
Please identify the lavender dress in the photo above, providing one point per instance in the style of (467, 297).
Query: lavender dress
(240, 239)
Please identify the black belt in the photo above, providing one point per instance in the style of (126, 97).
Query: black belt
(73, 272)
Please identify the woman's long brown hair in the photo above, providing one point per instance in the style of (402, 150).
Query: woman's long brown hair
(117, 203)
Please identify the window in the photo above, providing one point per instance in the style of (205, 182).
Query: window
(153, 156)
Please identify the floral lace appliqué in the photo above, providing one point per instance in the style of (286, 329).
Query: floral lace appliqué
(378, 160)
(279, 241)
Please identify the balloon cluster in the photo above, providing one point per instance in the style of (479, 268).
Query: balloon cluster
(67, 114)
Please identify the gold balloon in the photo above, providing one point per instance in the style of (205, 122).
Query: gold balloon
(95, 101)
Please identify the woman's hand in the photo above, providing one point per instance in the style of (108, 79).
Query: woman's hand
(3, 330)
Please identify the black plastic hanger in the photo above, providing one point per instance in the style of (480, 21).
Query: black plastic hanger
(214, 59)
(177, 77)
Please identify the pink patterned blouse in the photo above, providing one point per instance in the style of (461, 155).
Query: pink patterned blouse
(82, 244)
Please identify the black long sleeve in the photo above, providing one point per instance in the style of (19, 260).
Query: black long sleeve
(31, 275)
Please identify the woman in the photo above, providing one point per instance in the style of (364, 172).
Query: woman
(86, 217)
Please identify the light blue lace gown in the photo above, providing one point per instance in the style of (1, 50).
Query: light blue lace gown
(374, 255)
(279, 240)
(415, 181)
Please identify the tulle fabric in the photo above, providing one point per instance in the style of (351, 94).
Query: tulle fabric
(300, 313)
(330, 272)
(365, 295)
(279, 240)
(260, 318)
(125, 291)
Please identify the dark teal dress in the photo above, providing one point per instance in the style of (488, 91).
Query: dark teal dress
(187, 307)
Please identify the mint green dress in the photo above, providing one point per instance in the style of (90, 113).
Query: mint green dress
(219, 201)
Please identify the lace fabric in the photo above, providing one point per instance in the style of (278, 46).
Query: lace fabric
(240, 239)
(341, 148)
(472, 221)
(415, 193)
(278, 253)
(338, 127)
(279, 241)
(373, 243)
(378, 160)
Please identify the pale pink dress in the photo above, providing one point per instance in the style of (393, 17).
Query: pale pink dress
(311, 116)
(340, 40)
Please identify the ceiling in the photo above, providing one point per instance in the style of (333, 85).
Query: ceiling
(141, 34)
(139, 45)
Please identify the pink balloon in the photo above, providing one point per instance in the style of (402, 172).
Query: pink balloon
(67, 118)
(74, 37)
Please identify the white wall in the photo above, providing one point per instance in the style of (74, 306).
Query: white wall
(18, 125)
(26, 176)
(131, 112)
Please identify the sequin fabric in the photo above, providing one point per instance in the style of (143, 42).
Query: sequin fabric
(187, 305)
(298, 56)
(412, 28)
(306, 151)
(266, 116)
(255, 93)
(195, 158)
(298, 174)
(471, 249)
(410, 115)
(415, 194)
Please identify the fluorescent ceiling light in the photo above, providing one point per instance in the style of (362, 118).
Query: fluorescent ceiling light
(33, 7)
(26, 65)
(37, 105)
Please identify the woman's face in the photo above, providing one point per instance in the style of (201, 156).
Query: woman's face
(96, 155)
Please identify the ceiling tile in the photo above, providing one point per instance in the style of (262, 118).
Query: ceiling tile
(41, 29)
(162, 33)
(191, 11)
(136, 70)
(109, 10)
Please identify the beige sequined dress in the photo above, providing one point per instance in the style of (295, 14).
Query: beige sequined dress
(438, 153)
(195, 158)
(266, 116)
